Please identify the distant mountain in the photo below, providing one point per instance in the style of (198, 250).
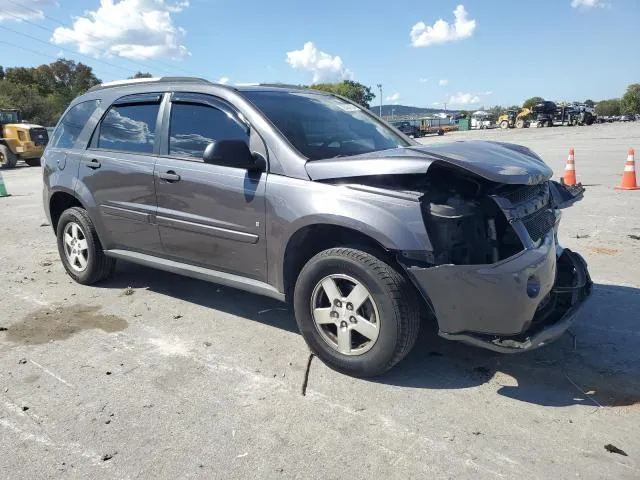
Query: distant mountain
(402, 110)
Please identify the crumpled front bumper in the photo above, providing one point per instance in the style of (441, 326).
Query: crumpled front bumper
(518, 304)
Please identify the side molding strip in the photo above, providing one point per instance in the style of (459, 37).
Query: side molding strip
(214, 276)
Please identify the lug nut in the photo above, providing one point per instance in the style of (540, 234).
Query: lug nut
(338, 303)
(353, 319)
(349, 306)
(333, 314)
(343, 324)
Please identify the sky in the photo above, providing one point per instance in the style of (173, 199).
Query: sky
(465, 54)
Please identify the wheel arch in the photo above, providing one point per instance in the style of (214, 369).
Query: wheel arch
(311, 239)
(59, 201)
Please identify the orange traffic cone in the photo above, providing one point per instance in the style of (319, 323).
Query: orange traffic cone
(570, 169)
(629, 175)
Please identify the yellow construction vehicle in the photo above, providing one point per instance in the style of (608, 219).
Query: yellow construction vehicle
(513, 118)
(19, 140)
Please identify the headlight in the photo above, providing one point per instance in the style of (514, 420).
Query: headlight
(21, 136)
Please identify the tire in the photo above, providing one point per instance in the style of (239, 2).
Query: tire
(97, 266)
(391, 298)
(520, 123)
(33, 162)
(504, 125)
(7, 158)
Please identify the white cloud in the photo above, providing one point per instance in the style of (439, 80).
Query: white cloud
(590, 3)
(464, 99)
(487, 93)
(323, 66)
(393, 98)
(443, 82)
(441, 31)
(223, 80)
(436, 104)
(12, 11)
(423, 80)
(135, 29)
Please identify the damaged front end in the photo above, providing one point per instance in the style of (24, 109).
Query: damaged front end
(497, 277)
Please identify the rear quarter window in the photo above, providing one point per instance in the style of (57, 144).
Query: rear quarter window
(72, 124)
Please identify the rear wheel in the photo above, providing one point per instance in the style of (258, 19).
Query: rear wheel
(520, 123)
(504, 124)
(357, 313)
(80, 248)
(7, 157)
(33, 162)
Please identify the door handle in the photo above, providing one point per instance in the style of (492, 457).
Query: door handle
(169, 176)
(94, 164)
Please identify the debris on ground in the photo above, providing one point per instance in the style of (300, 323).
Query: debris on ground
(176, 317)
(25, 408)
(613, 449)
(605, 251)
(22, 361)
(476, 433)
(108, 372)
(46, 263)
(634, 237)
(207, 344)
(127, 291)
(45, 224)
(3, 329)
(584, 235)
(108, 456)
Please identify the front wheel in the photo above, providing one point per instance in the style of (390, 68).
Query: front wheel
(504, 124)
(357, 312)
(7, 158)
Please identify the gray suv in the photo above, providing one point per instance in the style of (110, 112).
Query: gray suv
(306, 197)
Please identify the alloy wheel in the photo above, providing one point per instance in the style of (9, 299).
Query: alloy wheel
(75, 247)
(345, 314)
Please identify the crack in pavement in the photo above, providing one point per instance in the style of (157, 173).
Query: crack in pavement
(305, 381)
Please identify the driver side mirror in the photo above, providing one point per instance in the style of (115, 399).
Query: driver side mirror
(233, 153)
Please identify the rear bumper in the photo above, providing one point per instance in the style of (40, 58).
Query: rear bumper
(29, 150)
(519, 304)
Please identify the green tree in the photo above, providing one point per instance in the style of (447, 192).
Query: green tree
(532, 101)
(590, 103)
(1, 73)
(141, 75)
(630, 102)
(608, 108)
(354, 91)
(42, 93)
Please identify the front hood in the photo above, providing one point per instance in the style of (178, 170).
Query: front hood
(495, 161)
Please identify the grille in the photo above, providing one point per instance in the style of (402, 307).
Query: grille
(539, 223)
(527, 194)
(39, 136)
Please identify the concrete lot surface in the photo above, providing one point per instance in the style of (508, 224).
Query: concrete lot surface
(152, 375)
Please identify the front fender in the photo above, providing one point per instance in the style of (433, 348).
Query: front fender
(393, 222)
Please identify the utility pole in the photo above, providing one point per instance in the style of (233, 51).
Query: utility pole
(379, 85)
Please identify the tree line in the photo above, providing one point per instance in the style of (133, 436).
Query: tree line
(42, 93)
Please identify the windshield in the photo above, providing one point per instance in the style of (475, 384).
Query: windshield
(322, 126)
(9, 117)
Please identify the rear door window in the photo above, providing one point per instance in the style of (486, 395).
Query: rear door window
(129, 128)
(71, 125)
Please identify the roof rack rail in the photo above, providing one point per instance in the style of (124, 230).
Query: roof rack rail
(133, 81)
(283, 85)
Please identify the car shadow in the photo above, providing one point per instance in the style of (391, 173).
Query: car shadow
(230, 300)
(597, 363)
